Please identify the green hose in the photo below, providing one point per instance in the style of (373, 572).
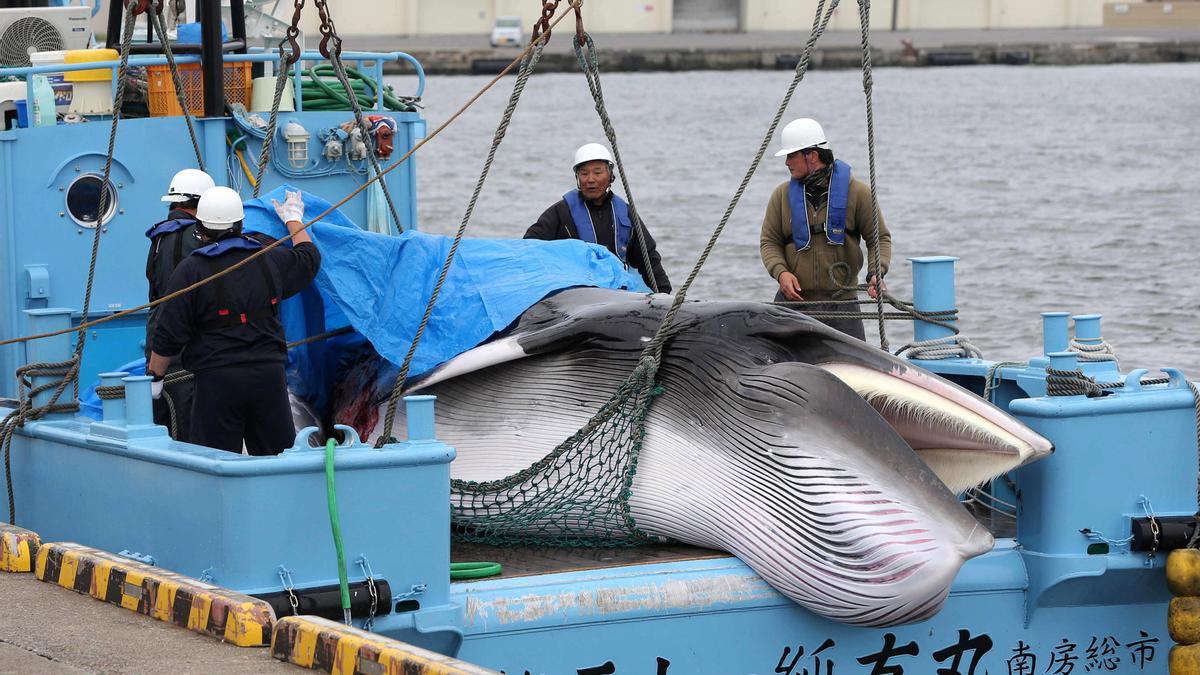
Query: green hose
(474, 570)
(321, 90)
(331, 493)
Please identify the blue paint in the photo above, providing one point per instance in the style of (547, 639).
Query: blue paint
(114, 408)
(420, 417)
(1087, 328)
(1054, 332)
(933, 291)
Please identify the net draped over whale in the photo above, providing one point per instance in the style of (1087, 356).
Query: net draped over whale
(379, 285)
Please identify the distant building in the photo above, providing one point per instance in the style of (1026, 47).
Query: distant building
(476, 17)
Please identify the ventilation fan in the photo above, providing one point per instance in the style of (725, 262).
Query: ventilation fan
(42, 29)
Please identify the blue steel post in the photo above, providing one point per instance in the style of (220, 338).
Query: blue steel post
(933, 291)
(1054, 332)
(214, 149)
(1087, 328)
(139, 407)
(1064, 360)
(48, 350)
(420, 417)
(113, 408)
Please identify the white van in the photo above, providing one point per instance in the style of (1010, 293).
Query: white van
(507, 31)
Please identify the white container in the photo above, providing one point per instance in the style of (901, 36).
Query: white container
(262, 95)
(62, 88)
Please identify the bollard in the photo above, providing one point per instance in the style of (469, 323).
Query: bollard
(1087, 328)
(420, 417)
(139, 405)
(1055, 337)
(114, 408)
(49, 350)
(1064, 360)
(933, 291)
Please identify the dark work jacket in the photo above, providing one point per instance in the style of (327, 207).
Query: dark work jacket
(182, 321)
(556, 223)
(166, 252)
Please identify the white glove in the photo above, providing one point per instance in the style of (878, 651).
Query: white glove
(156, 387)
(292, 208)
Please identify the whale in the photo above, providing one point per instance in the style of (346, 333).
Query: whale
(828, 466)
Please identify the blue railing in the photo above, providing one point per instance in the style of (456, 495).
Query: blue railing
(358, 58)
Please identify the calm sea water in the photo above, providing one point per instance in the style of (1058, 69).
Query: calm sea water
(1058, 188)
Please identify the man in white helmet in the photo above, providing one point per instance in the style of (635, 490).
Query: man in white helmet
(816, 224)
(171, 240)
(228, 331)
(591, 212)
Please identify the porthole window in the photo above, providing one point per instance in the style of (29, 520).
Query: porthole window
(83, 200)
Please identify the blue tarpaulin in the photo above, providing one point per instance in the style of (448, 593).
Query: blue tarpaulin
(380, 284)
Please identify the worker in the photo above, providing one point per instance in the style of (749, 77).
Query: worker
(228, 332)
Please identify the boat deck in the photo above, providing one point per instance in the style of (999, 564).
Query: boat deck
(527, 561)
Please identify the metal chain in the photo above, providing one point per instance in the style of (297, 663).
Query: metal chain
(590, 65)
(285, 577)
(864, 19)
(820, 22)
(161, 24)
(369, 576)
(526, 69)
(329, 34)
(286, 61)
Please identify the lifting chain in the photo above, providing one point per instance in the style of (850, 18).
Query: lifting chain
(286, 61)
(369, 576)
(329, 35)
(542, 25)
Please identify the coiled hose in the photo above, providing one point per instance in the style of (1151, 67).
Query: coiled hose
(322, 91)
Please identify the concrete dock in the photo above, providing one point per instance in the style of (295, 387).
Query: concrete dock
(471, 54)
(48, 629)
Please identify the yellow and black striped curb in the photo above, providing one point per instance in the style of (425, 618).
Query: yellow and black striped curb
(166, 596)
(18, 548)
(320, 644)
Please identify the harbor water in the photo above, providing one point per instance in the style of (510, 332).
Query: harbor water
(1058, 188)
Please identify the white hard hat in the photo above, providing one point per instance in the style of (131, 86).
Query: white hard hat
(220, 208)
(187, 185)
(801, 134)
(590, 152)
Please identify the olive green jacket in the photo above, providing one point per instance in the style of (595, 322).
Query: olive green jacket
(811, 266)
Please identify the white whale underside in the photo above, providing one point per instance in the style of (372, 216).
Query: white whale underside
(723, 468)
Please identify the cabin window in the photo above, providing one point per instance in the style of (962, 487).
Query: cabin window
(83, 200)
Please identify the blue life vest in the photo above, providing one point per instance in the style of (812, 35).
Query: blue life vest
(835, 217)
(622, 226)
(168, 226)
(227, 244)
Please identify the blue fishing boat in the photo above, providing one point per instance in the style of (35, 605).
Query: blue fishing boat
(1068, 570)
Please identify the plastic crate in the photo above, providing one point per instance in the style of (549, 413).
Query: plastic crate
(162, 101)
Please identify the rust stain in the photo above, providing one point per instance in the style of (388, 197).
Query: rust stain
(656, 597)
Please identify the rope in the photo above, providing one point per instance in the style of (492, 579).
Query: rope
(949, 347)
(527, 66)
(864, 19)
(1071, 383)
(991, 380)
(161, 26)
(263, 251)
(264, 153)
(1093, 352)
(820, 22)
(340, 71)
(590, 65)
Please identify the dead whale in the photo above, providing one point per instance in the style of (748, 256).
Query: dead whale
(828, 466)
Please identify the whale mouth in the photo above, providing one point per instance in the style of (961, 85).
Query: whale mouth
(964, 439)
